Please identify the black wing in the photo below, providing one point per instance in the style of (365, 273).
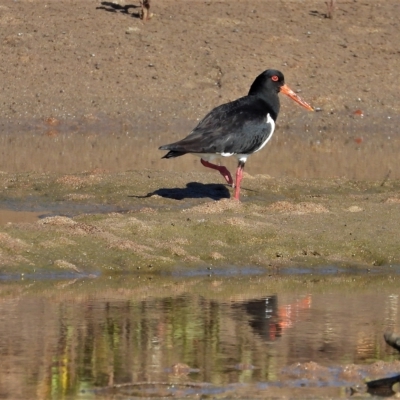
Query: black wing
(239, 127)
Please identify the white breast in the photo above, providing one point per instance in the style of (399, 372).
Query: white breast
(271, 122)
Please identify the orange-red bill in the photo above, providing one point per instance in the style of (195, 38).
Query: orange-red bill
(289, 92)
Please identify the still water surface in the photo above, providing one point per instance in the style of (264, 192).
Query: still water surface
(176, 337)
(305, 147)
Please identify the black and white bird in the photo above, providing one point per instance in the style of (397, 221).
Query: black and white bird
(239, 128)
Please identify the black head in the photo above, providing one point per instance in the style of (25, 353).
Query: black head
(267, 86)
(270, 80)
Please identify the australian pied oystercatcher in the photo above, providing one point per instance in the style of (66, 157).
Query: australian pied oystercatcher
(238, 128)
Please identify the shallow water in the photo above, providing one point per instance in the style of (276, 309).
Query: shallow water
(7, 216)
(30, 210)
(309, 145)
(177, 337)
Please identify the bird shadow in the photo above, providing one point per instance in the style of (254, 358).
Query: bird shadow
(315, 13)
(193, 190)
(113, 7)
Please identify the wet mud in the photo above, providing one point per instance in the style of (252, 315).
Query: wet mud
(164, 220)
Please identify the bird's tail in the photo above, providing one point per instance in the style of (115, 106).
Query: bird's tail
(171, 153)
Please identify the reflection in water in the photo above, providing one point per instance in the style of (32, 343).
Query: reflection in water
(270, 321)
(68, 346)
(264, 317)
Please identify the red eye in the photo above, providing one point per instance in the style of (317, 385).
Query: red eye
(275, 78)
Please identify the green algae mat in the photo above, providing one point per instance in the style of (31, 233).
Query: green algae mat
(97, 223)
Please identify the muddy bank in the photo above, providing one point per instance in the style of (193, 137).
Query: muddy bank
(98, 223)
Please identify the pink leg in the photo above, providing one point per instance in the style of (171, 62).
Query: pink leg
(239, 176)
(222, 170)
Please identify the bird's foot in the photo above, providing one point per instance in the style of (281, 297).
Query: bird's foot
(227, 175)
(222, 170)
